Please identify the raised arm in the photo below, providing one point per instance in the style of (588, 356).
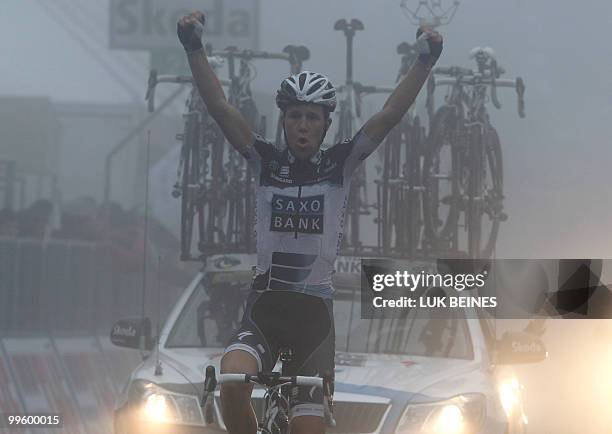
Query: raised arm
(429, 45)
(230, 120)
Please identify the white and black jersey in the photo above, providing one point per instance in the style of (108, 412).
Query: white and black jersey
(300, 212)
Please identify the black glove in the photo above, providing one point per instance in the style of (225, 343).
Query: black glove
(190, 35)
(428, 49)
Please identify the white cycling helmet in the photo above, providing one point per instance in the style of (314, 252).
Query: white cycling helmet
(307, 87)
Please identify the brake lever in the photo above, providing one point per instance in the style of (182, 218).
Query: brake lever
(210, 384)
(150, 95)
(494, 75)
(358, 103)
(328, 397)
(520, 90)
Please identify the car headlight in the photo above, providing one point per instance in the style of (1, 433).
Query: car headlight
(155, 404)
(510, 395)
(462, 414)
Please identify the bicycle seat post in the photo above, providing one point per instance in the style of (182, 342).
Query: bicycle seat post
(231, 58)
(349, 30)
(297, 56)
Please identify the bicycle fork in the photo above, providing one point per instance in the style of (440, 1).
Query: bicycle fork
(475, 196)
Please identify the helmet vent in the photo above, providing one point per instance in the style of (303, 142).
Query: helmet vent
(315, 87)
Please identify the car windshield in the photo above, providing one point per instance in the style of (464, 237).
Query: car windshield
(415, 334)
(213, 311)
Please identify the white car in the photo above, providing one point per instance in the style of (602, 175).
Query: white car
(409, 375)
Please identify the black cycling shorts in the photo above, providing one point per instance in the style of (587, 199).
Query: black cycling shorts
(284, 319)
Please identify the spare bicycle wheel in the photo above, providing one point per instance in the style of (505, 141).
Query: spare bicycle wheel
(442, 197)
(493, 194)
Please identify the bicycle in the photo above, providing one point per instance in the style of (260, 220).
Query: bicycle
(274, 417)
(463, 172)
(347, 113)
(215, 186)
(400, 188)
(349, 109)
(199, 131)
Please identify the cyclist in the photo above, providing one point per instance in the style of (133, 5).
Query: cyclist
(301, 198)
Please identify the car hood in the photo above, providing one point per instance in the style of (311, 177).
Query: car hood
(425, 378)
(395, 380)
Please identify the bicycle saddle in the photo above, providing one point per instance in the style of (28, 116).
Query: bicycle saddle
(300, 52)
(347, 27)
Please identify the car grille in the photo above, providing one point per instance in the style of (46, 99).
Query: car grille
(357, 417)
(351, 417)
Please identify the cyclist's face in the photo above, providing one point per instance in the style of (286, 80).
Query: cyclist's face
(305, 127)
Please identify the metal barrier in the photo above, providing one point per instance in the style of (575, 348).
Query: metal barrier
(63, 286)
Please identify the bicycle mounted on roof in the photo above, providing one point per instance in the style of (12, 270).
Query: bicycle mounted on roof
(415, 217)
(463, 170)
(397, 206)
(214, 183)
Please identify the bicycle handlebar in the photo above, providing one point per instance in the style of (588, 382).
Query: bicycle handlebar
(294, 54)
(360, 88)
(267, 379)
(453, 71)
(466, 77)
(155, 79)
(271, 380)
(472, 81)
(249, 54)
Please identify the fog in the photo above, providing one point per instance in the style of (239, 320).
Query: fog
(556, 160)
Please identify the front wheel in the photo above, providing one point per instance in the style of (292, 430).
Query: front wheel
(484, 216)
(191, 205)
(442, 180)
(413, 134)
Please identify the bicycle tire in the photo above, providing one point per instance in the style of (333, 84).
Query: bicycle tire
(441, 209)
(351, 231)
(483, 218)
(494, 193)
(413, 208)
(386, 205)
(474, 197)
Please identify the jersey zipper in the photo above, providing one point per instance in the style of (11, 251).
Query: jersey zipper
(297, 212)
